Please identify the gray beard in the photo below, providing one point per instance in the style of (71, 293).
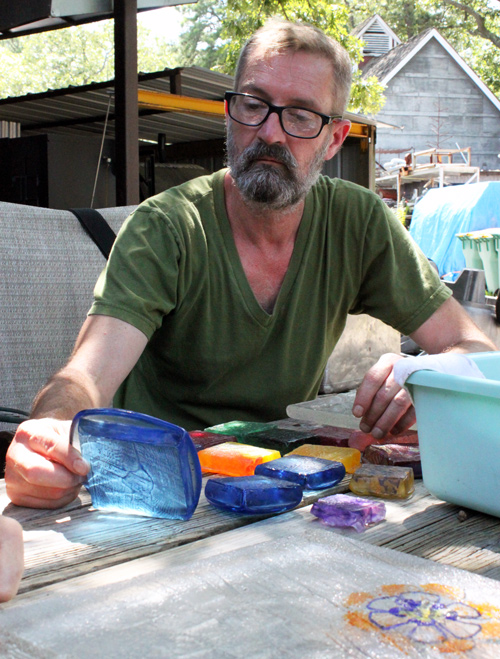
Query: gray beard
(276, 188)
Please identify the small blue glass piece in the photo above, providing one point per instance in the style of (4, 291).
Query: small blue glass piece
(138, 464)
(253, 495)
(309, 472)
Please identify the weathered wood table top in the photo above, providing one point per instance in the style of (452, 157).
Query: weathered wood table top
(77, 539)
(286, 586)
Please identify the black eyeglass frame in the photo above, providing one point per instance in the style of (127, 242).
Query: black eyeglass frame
(326, 119)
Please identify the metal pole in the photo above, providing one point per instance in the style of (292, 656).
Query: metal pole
(126, 110)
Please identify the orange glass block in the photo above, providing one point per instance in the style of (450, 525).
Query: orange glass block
(349, 457)
(234, 459)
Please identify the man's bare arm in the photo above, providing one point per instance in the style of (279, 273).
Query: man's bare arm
(381, 403)
(42, 469)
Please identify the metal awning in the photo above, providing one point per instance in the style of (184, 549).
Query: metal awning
(20, 17)
(82, 110)
(189, 108)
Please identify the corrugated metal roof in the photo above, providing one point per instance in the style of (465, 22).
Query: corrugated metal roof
(82, 110)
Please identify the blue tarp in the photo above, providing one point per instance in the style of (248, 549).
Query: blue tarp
(444, 212)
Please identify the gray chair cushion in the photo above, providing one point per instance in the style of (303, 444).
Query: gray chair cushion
(49, 267)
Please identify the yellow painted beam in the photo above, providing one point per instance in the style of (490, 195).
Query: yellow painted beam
(164, 102)
(176, 103)
(358, 130)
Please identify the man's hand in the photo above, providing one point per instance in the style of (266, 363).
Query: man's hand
(11, 557)
(381, 404)
(42, 469)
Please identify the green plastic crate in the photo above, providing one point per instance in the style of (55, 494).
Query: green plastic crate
(471, 251)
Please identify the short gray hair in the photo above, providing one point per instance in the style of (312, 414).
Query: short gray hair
(278, 36)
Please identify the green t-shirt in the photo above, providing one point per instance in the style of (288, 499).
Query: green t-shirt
(214, 354)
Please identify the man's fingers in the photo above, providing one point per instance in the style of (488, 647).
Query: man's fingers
(50, 439)
(374, 379)
(35, 469)
(405, 422)
(42, 469)
(380, 402)
(388, 409)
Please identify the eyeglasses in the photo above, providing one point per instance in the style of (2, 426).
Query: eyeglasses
(297, 122)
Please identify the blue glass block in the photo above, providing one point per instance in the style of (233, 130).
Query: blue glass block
(138, 464)
(309, 472)
(253, 495)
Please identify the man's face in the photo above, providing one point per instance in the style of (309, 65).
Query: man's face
(269, 166)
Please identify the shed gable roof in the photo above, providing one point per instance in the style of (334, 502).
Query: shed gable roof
(388, 66)
(377, 36)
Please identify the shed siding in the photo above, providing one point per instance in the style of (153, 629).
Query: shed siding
(432, 93)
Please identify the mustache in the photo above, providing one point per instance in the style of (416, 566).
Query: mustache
(260, 150)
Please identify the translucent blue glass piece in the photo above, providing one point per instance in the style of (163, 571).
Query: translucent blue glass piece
(138, 464)
(253, 495)
(309, 472)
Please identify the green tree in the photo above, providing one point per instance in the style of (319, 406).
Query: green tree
(217, 29)
(71, 56)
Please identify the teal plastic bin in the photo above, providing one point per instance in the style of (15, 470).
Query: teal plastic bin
(458, 422)
(471, 251)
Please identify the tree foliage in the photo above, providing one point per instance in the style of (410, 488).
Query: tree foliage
(71, 56)
(217, 29)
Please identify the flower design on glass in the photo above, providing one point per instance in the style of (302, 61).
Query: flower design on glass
(424, 617)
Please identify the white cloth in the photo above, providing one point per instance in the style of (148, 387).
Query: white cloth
(449, 362)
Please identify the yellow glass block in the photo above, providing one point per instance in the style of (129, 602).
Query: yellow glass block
(349, 457)
(383, 481)
(234, 459)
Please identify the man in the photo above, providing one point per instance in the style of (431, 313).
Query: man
(224, 297)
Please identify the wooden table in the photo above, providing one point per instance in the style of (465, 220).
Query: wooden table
(101, 584)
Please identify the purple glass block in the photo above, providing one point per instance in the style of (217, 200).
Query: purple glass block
(396, 455)
(202, 439)
(309, 472)
(333, 435)
(343, 510)
(253, 495)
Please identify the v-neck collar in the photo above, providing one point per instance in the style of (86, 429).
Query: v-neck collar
(234, 261)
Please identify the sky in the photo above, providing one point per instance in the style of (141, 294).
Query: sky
(163, 22)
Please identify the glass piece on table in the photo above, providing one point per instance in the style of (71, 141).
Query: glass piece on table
(234, 459)
(333, 435)
(396, 455)
(310, 473)
(202, 439)
(295, 424)
(332, 410)
(253, 494)
(350, 457)
(238, 428)
(138, 464)
(383, 481)
(362, 440)
(343, 510)
(283, 440)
